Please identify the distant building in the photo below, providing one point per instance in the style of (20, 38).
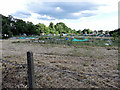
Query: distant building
(64, 34)
(95, 32)
(104, 32)
(100, 32)
(42, 34)
(24, 34)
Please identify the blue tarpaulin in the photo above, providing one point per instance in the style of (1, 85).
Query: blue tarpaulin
(79, 40)
(66, 38)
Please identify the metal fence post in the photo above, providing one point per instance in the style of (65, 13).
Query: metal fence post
(30, 64)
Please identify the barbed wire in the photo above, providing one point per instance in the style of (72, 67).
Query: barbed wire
(60, 70)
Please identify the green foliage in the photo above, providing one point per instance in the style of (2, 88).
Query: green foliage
(47, 31)
(31, 29)
(62, 28)
(106, 32)
(40, 27)
(13, 27)
(79, 32)
(87, 31)
(16, 27)
(115, 35)
(100, 31)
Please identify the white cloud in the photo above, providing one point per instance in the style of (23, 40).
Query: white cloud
(77, 14)
(59, 9)
(85, 11)
(35, 18)
(94, 23)
(11, 6)
(8, 7)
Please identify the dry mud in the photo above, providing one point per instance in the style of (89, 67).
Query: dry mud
(59, 66)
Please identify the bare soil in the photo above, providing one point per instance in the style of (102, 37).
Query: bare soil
(60, 66)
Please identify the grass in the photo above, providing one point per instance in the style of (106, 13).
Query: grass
(88, 59)
(62, 41)
(61, 67)
(53, 62)
(41, 63)
(85, 64)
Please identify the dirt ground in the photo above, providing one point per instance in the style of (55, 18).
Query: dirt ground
(59, 66)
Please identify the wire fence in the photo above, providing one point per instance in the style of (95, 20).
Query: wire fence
(47, 76)
(54, 69)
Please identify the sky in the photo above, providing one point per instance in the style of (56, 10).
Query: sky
(76, 14)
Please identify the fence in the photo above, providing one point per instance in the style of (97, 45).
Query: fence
(44, 74)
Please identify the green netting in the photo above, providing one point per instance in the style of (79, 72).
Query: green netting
(27, 38)
(79, 40)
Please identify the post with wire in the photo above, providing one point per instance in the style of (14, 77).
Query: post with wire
(30, 65)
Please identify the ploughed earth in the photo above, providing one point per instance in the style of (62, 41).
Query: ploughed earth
(60, 66)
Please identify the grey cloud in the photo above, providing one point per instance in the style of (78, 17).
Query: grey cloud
(45, 19)
(21, 14)
(67, 8)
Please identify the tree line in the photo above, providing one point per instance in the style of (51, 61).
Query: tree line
(15, 27)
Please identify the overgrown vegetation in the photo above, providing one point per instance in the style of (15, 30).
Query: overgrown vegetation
(101, 42)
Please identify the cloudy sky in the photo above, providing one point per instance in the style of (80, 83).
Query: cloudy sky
(76, 14)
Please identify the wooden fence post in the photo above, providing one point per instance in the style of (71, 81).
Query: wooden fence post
(30, 64)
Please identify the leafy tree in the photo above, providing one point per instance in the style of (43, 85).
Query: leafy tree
(90, 31)
(52, 28)
(106, 32)
(47, 31)
(51, 25)
(62, 28)
(6, 28)
(74, 31)
(115, 35)
(21, 26)
(79, 32)
(31, 29)
(100, 31)
(59, 28)
(86, 31)
(40, 27)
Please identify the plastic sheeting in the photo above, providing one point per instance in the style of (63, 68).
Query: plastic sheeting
(26, 38)
(79, 40)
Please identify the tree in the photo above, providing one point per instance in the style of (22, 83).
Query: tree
(6, 28)
(21, 26)
(79, 32)
(74, 31)
(31, 29)
(51, 25)
(100, 31)
(59, 28)
(47, 31)
(62, 28)
(115, 35)
(41, 28)
(87, 31)
(12, 26)
(6, 31)
(52, 28)
(90, 32)
(106, 32)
